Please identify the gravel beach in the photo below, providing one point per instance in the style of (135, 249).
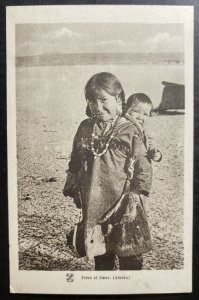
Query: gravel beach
(50, 104)
(44, 214)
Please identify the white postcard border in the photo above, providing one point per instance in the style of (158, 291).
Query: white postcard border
(54, 282)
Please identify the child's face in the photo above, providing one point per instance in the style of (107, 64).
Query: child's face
(104, 107)
(140, 112)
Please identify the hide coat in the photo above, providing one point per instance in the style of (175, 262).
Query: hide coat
(100, 182)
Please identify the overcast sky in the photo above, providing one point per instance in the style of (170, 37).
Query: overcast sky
(34, 39)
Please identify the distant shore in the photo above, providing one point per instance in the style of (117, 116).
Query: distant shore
(99, 58)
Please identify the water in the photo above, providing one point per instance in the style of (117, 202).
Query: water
(59, 90)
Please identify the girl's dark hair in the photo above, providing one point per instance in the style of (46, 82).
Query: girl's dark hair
(138, 98)
(103, 81)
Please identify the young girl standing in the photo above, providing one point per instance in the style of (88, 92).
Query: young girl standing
(108, 172)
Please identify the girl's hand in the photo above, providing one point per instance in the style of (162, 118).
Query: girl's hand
(70, 187)
(130, 212)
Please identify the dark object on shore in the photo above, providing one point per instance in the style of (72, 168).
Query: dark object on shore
(27, 197)
(51, 179)
(173, 97)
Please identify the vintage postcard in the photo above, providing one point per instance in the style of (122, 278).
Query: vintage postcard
(100, 148)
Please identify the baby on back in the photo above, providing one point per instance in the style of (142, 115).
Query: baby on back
(138, 109)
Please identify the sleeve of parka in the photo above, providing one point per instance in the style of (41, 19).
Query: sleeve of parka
(75, 161)
(142, 178)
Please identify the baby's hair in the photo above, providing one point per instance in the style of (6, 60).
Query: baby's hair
(103, 81)
(138, 98)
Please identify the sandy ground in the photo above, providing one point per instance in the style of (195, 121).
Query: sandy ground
(44, 215)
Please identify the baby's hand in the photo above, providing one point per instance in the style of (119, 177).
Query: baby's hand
(155, 155)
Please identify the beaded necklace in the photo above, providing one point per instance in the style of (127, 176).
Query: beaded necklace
(96, 152)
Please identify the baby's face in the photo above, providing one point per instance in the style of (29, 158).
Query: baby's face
(140, 112)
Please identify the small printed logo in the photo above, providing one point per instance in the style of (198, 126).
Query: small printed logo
(69, 277)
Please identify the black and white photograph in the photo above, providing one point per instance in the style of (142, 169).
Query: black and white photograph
(100, 143)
